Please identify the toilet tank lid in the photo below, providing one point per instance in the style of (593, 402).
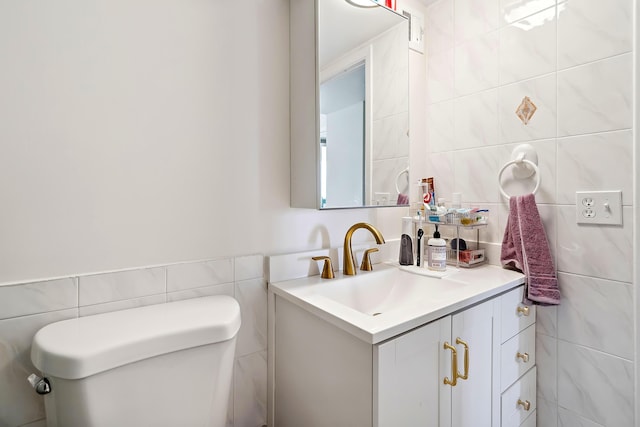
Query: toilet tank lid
(78, 348)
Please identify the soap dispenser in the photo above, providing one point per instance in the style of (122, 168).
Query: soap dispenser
(437, 252)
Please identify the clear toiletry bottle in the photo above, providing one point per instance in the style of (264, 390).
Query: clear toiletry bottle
(437, 252)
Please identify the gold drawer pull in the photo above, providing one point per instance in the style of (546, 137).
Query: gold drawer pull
(523, 310)
(523, 356)
(454, 365)
(526, 404)
(464, 376)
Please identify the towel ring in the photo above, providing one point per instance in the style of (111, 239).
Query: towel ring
(406, 170)
(520, 153)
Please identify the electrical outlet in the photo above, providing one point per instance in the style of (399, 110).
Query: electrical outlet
(599, 207)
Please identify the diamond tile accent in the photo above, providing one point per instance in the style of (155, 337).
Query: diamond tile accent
(526, 109)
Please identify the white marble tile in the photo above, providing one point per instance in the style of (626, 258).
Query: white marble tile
(515, 10)
(528, 47)
(384, 176)
(569, 419)
(439, 34)
(108, 287)
(589, 30)
(39, 423)
(252, 296)
(390, 138)
(38, 297)
(596, 313)
(390, 70)
(250, 390)
(20, 404)
(547, 320)
(440, 166)
(476, 64)
(440, 127)
(473, 18)
(546, 151)
(89, 310)
(476, 120)
(595, 162)
(205, 291)
(476, 171)
(542, 125)
(492, 253)
(440, 76)
(199, 274)
(595, 250)
(547, 363)
(595, 97)
(547, 413)
(248, 267)
(596, 385)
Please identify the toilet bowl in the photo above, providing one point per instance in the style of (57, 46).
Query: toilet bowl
(161, 365)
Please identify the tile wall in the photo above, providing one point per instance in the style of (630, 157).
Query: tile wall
(573, 59)
(25, 308)
(390, 154)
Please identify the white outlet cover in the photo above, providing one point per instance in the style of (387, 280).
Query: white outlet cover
(416, 29)
(599, 207)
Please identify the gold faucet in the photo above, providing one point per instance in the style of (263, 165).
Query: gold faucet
(349, 263)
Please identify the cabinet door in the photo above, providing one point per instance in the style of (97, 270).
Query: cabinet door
(407, 379)
(473, 400)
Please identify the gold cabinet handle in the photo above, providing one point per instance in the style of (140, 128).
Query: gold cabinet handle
(454, 365)
(327, 269)
(523, 356)
(366, 260)
(525, 404)
(523, 310)
(465, 376)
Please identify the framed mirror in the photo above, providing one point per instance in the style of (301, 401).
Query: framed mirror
(349, 105)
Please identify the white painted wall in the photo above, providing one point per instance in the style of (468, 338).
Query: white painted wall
(145, 132)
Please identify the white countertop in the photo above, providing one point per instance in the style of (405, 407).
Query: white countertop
(430, 299)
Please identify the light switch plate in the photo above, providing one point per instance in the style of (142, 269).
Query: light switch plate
(599, 207)
(416, 29)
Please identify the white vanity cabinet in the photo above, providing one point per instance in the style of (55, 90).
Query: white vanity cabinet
(517, 361)
(325, 376)
(410, 372)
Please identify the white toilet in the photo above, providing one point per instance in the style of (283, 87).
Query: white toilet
(161, 365)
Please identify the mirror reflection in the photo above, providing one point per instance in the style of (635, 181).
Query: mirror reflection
(363, 63)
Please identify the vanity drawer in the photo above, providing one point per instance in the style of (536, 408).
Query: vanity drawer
(516, 316)
(517, 356)
(519, 401)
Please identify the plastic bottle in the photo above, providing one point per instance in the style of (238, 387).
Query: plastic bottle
(406, 244)
(437, 252)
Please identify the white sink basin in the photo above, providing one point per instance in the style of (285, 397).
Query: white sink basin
(387, 290)
(380, 304)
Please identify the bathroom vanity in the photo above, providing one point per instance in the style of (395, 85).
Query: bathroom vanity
(395, 348)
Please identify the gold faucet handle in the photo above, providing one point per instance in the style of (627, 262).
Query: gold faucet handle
(327, 269)
(366, 260)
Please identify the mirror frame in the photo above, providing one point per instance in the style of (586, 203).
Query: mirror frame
(305, 115)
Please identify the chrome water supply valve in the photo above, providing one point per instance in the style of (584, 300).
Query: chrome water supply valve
(41, 385)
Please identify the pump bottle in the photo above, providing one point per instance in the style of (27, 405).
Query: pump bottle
(436, 252)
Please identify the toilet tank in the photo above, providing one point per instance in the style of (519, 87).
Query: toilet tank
(161, 365)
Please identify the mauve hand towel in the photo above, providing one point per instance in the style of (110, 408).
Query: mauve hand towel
(403, 199)
(525, 248)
